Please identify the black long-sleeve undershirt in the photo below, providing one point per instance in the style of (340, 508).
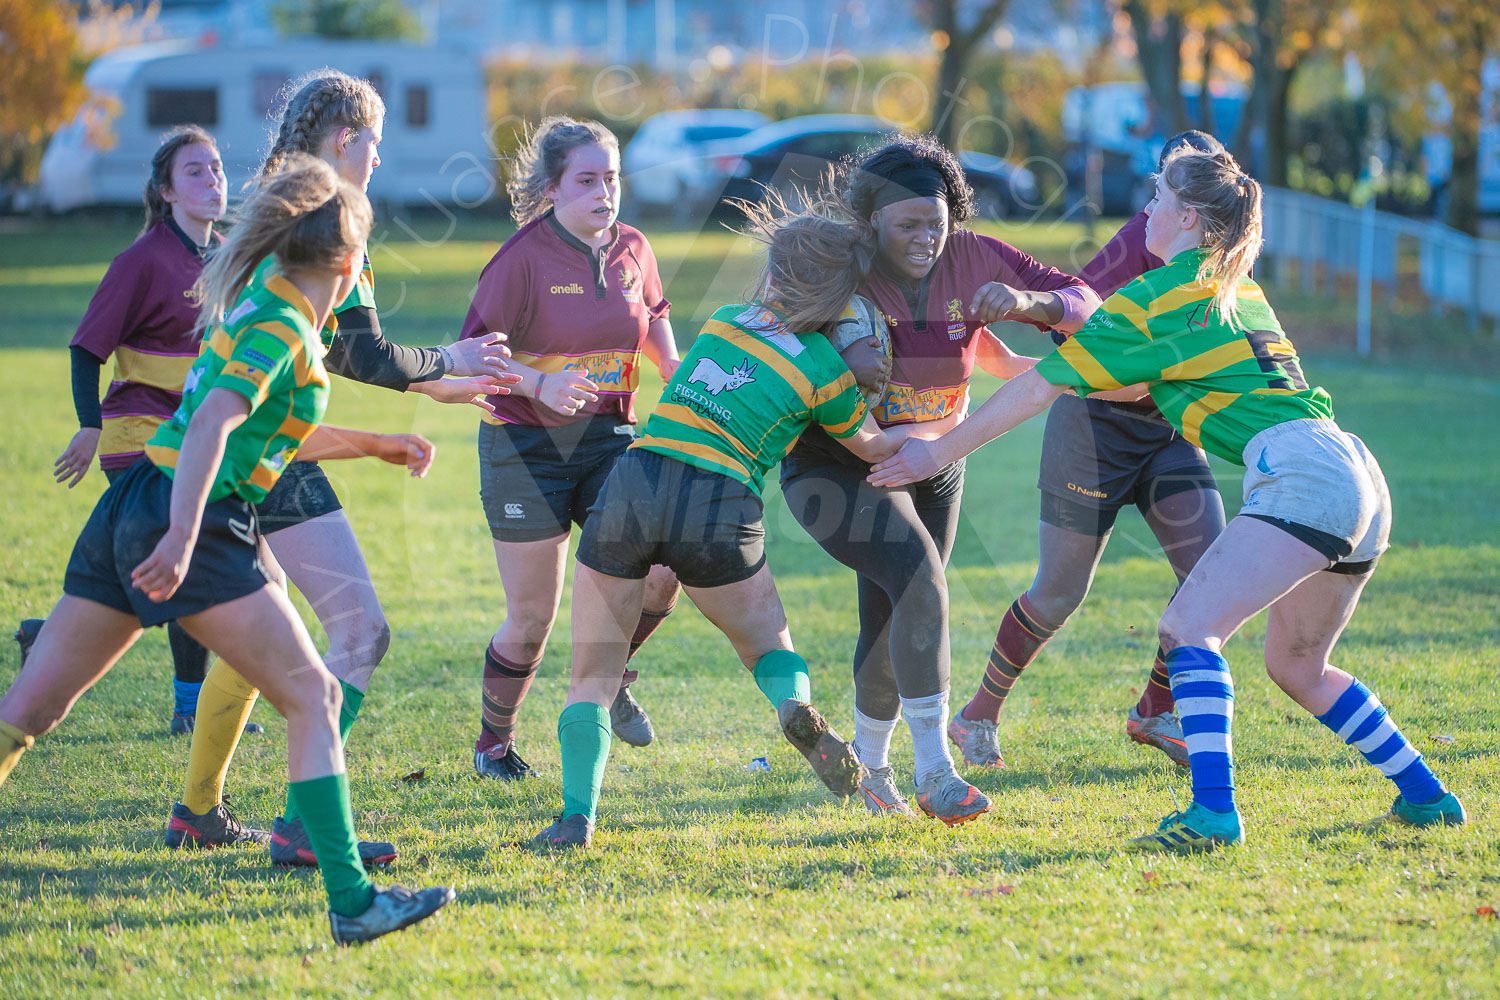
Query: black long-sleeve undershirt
(361, 353)
(86, 369)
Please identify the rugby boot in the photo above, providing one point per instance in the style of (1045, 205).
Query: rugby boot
(1161, 731)
(947, 797)
(216, 828)
(978, 742)
(502, 762)
(629, 720)
(392, 909)
(182, 725)
(833, 760)
(565, 833)
(291, 848)
(1192, 831)
(881, 796)
(1447, 811)
(25, 636)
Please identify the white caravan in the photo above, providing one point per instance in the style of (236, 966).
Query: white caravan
(437, 147)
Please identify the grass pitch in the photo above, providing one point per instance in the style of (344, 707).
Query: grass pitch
(709, 879)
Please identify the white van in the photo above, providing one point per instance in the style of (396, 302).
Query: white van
(437, 147)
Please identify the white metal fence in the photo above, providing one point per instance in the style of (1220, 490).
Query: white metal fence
(1453, 269)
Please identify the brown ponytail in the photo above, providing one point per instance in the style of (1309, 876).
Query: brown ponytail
(158, 209)
(304, 215)
(544, 157)
(320, 103)
(1228, 201)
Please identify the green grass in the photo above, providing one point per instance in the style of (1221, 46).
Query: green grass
(712, 880)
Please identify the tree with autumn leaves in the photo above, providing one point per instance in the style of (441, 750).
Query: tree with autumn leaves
(1411, 46)
(41, 81)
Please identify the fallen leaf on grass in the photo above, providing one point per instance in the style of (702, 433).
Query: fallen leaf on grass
(998, 890)
(306, 961)
(1485, 911)
(43, 844)
(423, 860)
(89, 955)
(417, 775)
(1441, 739)
(1148, 876)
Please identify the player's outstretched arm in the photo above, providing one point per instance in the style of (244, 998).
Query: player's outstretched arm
(871, 443)
(661, 348)
(995, 356)
(1015, 402)
(411, 450)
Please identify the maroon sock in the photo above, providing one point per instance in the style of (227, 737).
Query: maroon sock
(1020, 637)
(1158, 697)
(649, 623)
(505, 687)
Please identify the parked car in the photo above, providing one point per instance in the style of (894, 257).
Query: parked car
(1002, 189)
(664, 164)
(796, 153)
(787, 155)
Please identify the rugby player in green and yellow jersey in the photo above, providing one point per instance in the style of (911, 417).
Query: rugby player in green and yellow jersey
(175, 538)
(687, 495)
(1201, 338)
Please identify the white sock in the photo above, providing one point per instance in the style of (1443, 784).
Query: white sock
(872, 739)
(927, 718)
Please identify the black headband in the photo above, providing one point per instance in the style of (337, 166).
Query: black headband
(916, 180)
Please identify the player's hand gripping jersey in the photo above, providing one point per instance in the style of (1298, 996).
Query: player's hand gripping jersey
(267, 351)
(746, 391)
(1220, 385)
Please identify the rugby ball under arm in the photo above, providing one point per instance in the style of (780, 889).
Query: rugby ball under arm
(860, 321)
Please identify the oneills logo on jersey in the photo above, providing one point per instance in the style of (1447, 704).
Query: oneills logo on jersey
(1198, 317)
(572, 288)
(716, 380)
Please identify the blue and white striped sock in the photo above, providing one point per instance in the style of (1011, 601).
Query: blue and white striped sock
(186, 697)
(1361, 721)
(1204, 693)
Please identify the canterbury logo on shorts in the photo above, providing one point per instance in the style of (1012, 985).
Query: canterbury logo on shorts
(514, 510)
(244, 532)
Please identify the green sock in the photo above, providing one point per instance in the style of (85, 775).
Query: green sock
(323, 804)
(583, 731)
(782, 674)
(353, 699)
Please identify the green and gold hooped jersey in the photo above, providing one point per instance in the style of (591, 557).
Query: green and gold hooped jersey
(746, 391)
(268, 351)
(362, 294)
(1217, 383)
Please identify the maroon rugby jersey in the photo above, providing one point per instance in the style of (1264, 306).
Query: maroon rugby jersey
(1123, 259)
(143, 315)
(934, 345)
(565, 305)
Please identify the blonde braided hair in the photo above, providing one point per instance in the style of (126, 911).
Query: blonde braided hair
(320, 103)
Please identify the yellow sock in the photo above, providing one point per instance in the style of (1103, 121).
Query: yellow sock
(224, 703)
(13, 743)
